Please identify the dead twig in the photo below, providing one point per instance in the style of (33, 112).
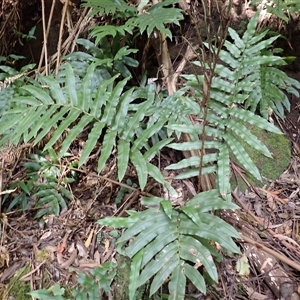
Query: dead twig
(257, 220)
(47, 34)
(277, 255)
(61, 29)
(45, 37)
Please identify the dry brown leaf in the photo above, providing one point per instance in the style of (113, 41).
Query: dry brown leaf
(46, 235)
(286, 238)
(4, 257)
(106, 245)
(89, 239)
(274, 195)
(271, 202)
(81, 249)
(69, 261)
(97, 257)
(257, 207)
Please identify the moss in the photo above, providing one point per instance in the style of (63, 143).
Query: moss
(270, 168)
(121, 281)
(43, 255)
(120, 285)
(17, 288)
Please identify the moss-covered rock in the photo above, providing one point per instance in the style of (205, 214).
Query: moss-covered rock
(270, 168)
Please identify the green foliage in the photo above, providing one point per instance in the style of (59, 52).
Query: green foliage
(144, 18)
(29, 36)
(156, 18)
(173, 243)
(89, 286)
(45, 183)
(167, 243)
(281, 8)
(244, 80)
(10, 82)
(108, 6)
(123, 191)
(99, 103)
(163, 242)
(252, 73)
(113, 59)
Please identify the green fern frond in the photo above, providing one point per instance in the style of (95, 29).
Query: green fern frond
(113, 59)
(157, 17)
(167, 243)
(108, 6)
(247, 77)
(106, 110)
(100, 32)
(252, 70)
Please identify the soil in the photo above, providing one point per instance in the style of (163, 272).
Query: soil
(269, 214)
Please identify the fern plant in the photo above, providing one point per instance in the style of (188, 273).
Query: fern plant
(10, 82)
(246, 79)
(108, 109)
(90, 286)
(45, 183)
(174, 244)
(112, 57)
(261, 81)
(163, 242)
(280, 8)
(144, 18)
(170, 244)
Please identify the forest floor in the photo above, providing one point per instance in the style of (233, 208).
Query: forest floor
(35, 254)
(42, 254)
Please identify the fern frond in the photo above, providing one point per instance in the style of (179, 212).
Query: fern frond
(254, 71)
(166, 244)
(112, 58)
(100, 32)
(105, 110)
(108, 6)
(157, 17)
(247, 77)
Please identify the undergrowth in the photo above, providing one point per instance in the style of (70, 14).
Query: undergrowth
(167, 244)
(45, 187)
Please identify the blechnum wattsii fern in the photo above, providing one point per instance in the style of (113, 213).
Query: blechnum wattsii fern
(163, 242)
(172, 243)
(246, 79)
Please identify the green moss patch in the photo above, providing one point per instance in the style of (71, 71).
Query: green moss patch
(270, 168)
